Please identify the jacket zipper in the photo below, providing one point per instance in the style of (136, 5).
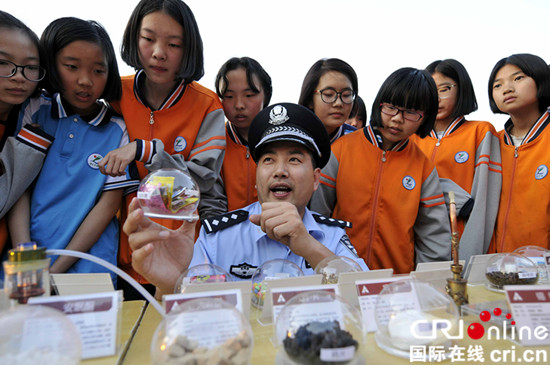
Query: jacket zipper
(509, 200)
(151, 123)
(375, 204)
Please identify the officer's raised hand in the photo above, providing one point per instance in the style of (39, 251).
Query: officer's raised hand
(159, 254)
(282, 222)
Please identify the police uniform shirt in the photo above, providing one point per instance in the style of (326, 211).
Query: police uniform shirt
(239, 246)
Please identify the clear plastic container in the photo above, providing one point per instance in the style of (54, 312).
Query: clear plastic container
(411, 312)
(169, 193)
(38, 335)
(271, 270)
(199, 274)
(510, 269)
(318, 328)
(538, 255)
(203, 331)
(26, 273)
(331, 267)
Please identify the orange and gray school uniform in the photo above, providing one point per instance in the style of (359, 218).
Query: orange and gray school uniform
(524, 213)
(238, 171)
(21, 158)
(467, 158)
(187, 132)
(393, 199)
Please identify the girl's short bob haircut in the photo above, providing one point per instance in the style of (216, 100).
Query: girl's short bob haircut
(63, 31)
(192, 63)
(252, 68)
(315, 73)
(534, 67)
(408, 88)
(466, 102)
(8, 21)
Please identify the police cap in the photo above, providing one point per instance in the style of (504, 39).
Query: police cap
(289, 122)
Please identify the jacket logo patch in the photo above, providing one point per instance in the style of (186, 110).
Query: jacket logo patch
(541, 172)
(243, 271)
(408, 182)
(93, 160)
(179, 144)
(461, 156)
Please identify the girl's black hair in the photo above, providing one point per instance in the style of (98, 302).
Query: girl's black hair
(315, 73)
(252, 68)
(408, 88)
(63, 31)
(192, 64)
(359, 110)
(466, 102)
(8, 21)
(531, 65)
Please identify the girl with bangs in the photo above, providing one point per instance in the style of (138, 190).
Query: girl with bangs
(519, 86)
(467, 157)
(399, 216)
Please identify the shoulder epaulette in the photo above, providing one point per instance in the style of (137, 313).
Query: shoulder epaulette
(331, 221)
(222, 221)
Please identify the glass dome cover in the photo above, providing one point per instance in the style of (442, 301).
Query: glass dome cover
(203, 331)
(538, 255)
(319, 327)
(271, 270)
(169, 193)
(23, 340)
(412, 312)
(332, 266)
(200, 274)
(510, 269)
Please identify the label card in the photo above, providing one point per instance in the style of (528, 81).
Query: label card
(233, 296)
(267, 306)
(530, 306)
(210, 328)
(367, 294)
(245, 287)
(346, 282)
(95, 317)
(280, 296)
(439, 265)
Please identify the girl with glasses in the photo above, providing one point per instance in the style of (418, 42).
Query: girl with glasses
(21, 154)
(399, 215)
(466, 155)
(329, 90)
(519, 86)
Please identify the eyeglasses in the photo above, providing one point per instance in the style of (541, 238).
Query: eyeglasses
(445, 91)
(409, 115)
(330, 95)
(30, 72)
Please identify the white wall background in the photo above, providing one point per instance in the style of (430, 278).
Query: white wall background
(375, 37)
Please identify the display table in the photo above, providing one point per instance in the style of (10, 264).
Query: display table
(132, 312)
(264, 352)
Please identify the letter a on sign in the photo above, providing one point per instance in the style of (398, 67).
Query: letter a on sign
(281, 299)
(517, 296)
(365, 290)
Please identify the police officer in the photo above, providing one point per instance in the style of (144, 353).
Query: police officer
(290, 146)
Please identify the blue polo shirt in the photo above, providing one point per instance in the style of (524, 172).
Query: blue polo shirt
(242, 247)
(70, 183)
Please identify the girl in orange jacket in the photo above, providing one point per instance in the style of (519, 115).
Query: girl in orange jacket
(519, 86)
(398, 213)
(466, 155)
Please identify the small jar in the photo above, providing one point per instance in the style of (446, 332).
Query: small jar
(510, 269)
(26, 273)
